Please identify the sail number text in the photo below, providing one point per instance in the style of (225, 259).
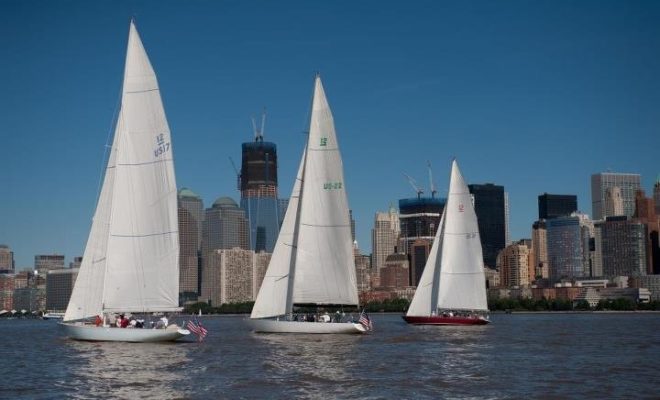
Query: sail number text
(332, 185)
(162, 147)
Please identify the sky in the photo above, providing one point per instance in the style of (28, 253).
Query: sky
(532, 95)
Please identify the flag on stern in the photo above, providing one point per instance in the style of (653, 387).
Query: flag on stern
(198, 330)
(365, 320)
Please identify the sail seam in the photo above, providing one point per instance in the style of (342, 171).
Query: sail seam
(147, 235)
(325, 226)
(141, 91)
(144, 163)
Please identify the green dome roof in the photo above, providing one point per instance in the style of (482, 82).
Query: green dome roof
(185, 192)
(225, 202)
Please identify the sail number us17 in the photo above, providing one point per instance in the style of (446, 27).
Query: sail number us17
(332, 185)
(162, 147)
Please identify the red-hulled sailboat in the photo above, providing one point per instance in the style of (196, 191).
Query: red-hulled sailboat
(452, 289)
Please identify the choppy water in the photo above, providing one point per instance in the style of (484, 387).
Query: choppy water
(548, 356)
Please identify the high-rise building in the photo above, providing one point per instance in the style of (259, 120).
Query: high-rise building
(7, 286)
(395, 272)
(419, 253)
(6, 260)
(76, 262)
(363, 272)
(45, 262)
(59, 285)
(490, 207)
(225, 226)
(540, 250)
(656, 195)
(556, 205)
(230, 276)
(568, 246)
(191, 219)
(419, 219)
(613, 202)
(623, 246)
(645, 213)
(384, 237)
(628, 184)
(258, 185)
(515, 264)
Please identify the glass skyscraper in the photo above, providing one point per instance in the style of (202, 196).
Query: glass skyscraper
(628, 184)
(490, 207)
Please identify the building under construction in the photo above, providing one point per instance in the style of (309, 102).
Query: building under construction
(258, 185)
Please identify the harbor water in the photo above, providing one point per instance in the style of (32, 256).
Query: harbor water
(545, 356)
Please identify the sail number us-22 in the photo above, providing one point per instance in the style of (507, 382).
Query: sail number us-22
(162, 147)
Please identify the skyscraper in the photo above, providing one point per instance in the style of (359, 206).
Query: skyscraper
(628, 184)
(613, 202)
(191, 218)
(258, 185)
(645, 213)
(59, 285)
(623, 247)
(514, 265)
(568, 246)
(556, 205)
(384, 237)
(233, 275)
(490, 207)
(656, 195)
(6, 260)
(419, 219)
(540, 249)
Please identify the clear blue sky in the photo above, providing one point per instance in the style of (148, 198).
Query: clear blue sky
(532, 95)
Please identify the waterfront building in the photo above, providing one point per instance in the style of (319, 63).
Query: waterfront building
(650, 282)
(6, 260)
(540, 250)
(627, 185)
(7, 286)
(45, 262)
(30, 299)
(514, 264)
(395, 273)
(363, 272)
(556, 205)
(656, 195)
(259, 266)
(568, 246)
(419, 253)
(419, 218)
(228, 276)
(258, 185)
(645, 213)
(191, 218)
(492, 278)
(384, 237)
(59, 285)
(623, 246)
(490, 207)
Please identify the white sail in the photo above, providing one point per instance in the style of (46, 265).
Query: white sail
(462, 283)
(86, 298)
(274, 295)
(324, 266)
(143, 246)
(426, 296)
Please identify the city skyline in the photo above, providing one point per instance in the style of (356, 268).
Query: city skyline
(524, 96)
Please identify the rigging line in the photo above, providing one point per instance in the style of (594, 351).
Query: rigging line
(147, 235)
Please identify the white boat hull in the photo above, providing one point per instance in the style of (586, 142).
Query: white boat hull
(88, 332)
(274, 326)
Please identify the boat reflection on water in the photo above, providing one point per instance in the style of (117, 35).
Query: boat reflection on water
(309, 363)
(129, 370)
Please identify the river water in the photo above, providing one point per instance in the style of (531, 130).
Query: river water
(543, 356)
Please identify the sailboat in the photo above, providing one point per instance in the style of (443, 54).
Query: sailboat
(312, 263)
(452, 289)
(130, 263)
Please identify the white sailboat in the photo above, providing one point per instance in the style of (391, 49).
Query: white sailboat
(313, 261)
(130, 263)
(452, 289)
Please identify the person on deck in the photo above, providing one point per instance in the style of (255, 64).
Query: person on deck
(98, 321)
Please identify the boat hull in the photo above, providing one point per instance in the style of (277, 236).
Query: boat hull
(442, 320)
(106, 334)
(273, 326)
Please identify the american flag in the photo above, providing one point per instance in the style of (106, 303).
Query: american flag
(198, 330)
(365, 321)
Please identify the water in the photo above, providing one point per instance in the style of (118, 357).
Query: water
(547, 356)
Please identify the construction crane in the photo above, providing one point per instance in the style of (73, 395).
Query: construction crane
(259, 133)
(238, 174)
(413, 183)
(433, 191)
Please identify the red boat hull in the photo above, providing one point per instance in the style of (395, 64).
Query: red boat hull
(442, 320)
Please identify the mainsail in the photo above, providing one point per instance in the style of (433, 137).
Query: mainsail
(453, 277)
(131, 259)
(317, 249)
